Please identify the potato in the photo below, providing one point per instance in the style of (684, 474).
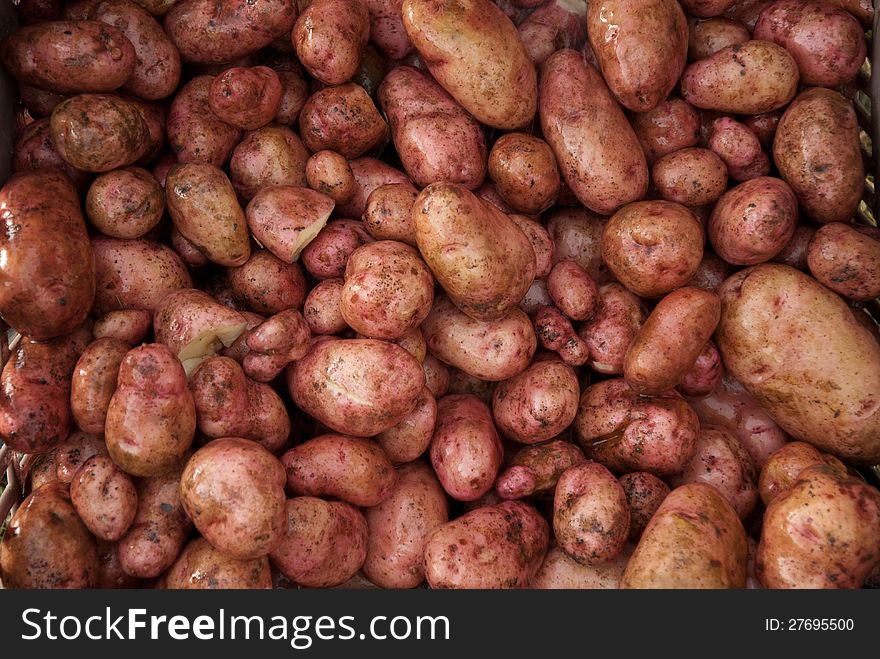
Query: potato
(201, 566)
(492, 351)
(590, 514)
(536, 469)
(99, 132)
(627, 432)
(159, 530)
(711, 273)
(410, 438)
(35, 391)
(671, 126)
(561, 571)
(369, 174)
(829, 61)
(325, 542)
(110, 574)
(705, 38)
(694, 540)
(704, 376)
(691, 177)
(483, 261)
(268, 156)
(283, 338)
(739, 148)
(861, 9)
(703, 8)
(47, 276)
(386, 28)
(823, 532)
(202, 203)
(329, 37)
(640, 68)
(785, 465)
(387, 215)
(72, 453)
(327, 254)
(465, 449)
(673, 336)
(46, 545)
(246, 97)
(229, 404)
(598, 153)
(846, 261)
(653, 247)
(754, 221)
(343, 119)
(39, 102)
(34, 150)
(825, 401)
(644, 494)
(69, 57)
(215, 31)
(329, 173)
(481, 63)
(135, 274)
(524, 171)
(125, 203)
(554, 25)
(267, 284)
(157, 71)
(353, 469)
(357, 386)
(93, 383)
(610, 332)
(233, 490)
(195, 134)
(322, 307)
(399, 526)
(104, 497)
(285, 219)
(496, 546)
(437, 376)
(745, 78)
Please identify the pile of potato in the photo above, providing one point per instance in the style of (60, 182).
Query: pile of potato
(532, 293)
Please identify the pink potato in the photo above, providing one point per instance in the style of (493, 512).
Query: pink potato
(322, 307)
(410, 438)
(610, 332)
(671, 126)
(194, 132)
(267, 284)
(846, 261)
(554, 25)
(104, 497)
(561, 571)
(247, 98)
(691, 177)
(274, 343)
(343, 119)
(525, 172)
(268, 156)
(739, 148)
(574, 292)
(535, 470)
(644, 494)
(285, 219)
(202, 567)
(329, 173)
(388, 216)
(555, 332)
(329, 37)
(704, 376)
(94, 382)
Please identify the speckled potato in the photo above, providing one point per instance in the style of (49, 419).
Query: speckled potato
(343, 119)
(125, 203)
(785, 465)
(272, 155)
(613, 328)
(94, 382)
(524, 171)
(202, 567)
(327, 254)
(846, 261)
(671, 126)
(353, 469)
(691, 177)
(410, 438)
(561, 571)
(268, 285)
(246, 97)
(194, 132)
(536, 469)
(739, 148)
(104, 497)
(329, 37)
(704, 8)
(705, 38)
(827, 401)
(274, 343)
(321, 308)
(823, 532)
(644, 494)
(703, 377)
(328, 172)
(554, 25)
(285, 218)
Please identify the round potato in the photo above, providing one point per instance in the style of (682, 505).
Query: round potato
(322, 307)
(272, 155)
(343, 119)
(125, 203)
(267, 284)
(201, 566)
(329, 173)
(705, 38)
(104, 497)
(524, 171)
(388, 213)
(691, 177)
(671, 126)
(327, 254)
(410, 438)
(246, 97)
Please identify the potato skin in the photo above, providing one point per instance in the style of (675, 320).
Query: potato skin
(705, 38)
(201, 566)
(286, 218)
(272, 155)
(353, 469)
(610, 332)
(329, 37)
(325, 542)
(437, 140)
(846, 261)
(46, 545)
(644, 494)
(483, 261)
(194, 132)
(94, 381)
(47, 277)
(125, 203)
(399, 526)
(151, 419)
(410, 438)
(671, 126)
(524, 171)
(823, 532)
(598, 153)
(784, 466)
(673, 336)
(694, 540)
(387, 214)
(484, 66)
(747, 78)
(104, 497)
(328, 172)
(691, 176)
(536, 469)
(640, 68)
(465, 450)
(739, 148)
(343, 119)
(69, 56)
(828, 402)
(246, 97)
(561, 571)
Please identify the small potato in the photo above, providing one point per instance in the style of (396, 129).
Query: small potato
(739, 148)
(201, 566)
(329, 37)
(673, 336)
(573, 291)
(160, 527)
(538, 404)
(763, 126)
(343, 119)
(369, 174)
(94, 382)
(495, 546)
(555, 332)
(694, 540)
(267, 284)
(110, 574)
(590, 514)
(322, 307)
(272, 155)
(644, 494)
(357, 386)
(536, 469)
(705, 38)
(202, 203)
(465, 450)
(246, 97)
(846, 261)
(272, 345)
(483, 261)
(294, 93)
(613, 328)
(46, 545)
(671, 126)
(35, 150)
(437, 376)
(627, 432)
(399, 526)
(327, 254)
(704, 376)
(233, 490)
(691, 177)
(653, 247)
(823, 532)
(410, 438)
(554, 25)
(72, 453)
(712, 272)
(325, 543)
(388, 215)
(104, 497)
(125, 203)
(194, 132)
(828, 61)
(561, 571)
(794, 253)
(329, 173)
(492, 351)
(598, 153)
(524, 171)
(784, 466)
(285, 219)
(353, 469)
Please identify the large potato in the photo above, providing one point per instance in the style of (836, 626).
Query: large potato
(47, 273)
(201, 566)
(846, 260)
(329, 38)
(821, 388)
(94, 381)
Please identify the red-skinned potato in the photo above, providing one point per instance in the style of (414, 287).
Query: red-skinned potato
(272, 155)
(536, 469)
(285, 219)
(554, 25)
(125, 203)
(644, 494)
(104, 497)
(130, 326)
(691, 177)
(369, 174)
(68, 456)
(671, 126)
(329, 37)
(785, 465)
(388, 213)
(573, 291)
(704, 376)
(386, 28)
(739, 148)
(613, 328)
(524, 171)
(711, 273)
(273, 344)
(246, 97)
(343, 119)
(707, 37)
(410, 438)
(329, 173)
(846, 261)
(201, 566)
(93, 383)
(561, 571)
(267, 284)
(321, 309)
(327, 254)
(194, 132)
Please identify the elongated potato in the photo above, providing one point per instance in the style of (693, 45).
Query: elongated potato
(94, 381)
(598, 153)
(846, 261)
(104, 497)
(410, 438)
